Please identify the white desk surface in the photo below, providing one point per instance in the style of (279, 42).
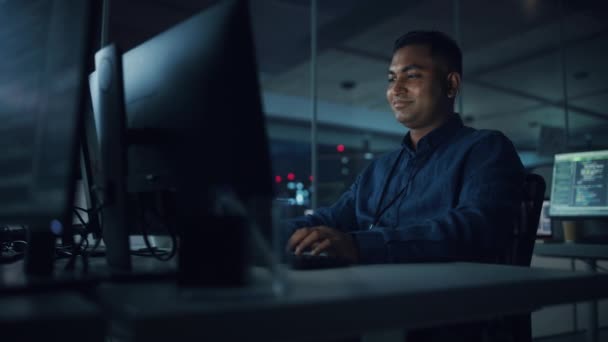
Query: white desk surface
(345, 302)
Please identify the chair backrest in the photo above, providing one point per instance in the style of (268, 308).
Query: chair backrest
(524, 232)
(519, 327)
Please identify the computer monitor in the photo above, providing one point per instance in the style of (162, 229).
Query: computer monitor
(195, 127)
(43, 49)
(580, 185)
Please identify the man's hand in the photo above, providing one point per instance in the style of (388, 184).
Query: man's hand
(323, 239)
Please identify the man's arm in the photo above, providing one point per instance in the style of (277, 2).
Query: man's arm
(477, 229)
(310, 232)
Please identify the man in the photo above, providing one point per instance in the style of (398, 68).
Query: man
(449, 193)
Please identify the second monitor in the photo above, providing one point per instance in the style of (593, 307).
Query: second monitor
(580, 185)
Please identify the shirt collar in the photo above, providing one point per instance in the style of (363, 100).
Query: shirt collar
(434, 138)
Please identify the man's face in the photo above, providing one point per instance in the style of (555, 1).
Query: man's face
(415, 91)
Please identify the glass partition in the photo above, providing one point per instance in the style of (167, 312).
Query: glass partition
(282, 41)
(532, 69)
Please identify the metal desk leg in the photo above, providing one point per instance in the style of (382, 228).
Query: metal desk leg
(592, 326)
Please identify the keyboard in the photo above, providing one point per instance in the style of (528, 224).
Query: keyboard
(307, 261)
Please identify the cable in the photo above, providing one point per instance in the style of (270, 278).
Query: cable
(11, 250)
(95, 246)
(21, 242)
(149, 251)
(154, 251)
(81, 248)
(83, 209)
(8, 254)
(170, 230)
(84, 224)
(90, 210)
(98, 209)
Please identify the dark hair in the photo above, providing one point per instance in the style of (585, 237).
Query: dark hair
(441, 45)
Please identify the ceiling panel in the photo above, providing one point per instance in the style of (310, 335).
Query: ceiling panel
(335, 67)
(523, 44)
(586, 71)
(410, 16)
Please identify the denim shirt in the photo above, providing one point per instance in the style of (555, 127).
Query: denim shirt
(455, 197)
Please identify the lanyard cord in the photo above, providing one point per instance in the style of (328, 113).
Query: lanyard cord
(381, 210)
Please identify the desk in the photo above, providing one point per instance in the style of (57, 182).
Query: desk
(590, 252)
(345, 302)
(57, 316)
(52, 309)
(13, 280)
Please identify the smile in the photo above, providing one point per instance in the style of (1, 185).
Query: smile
(401, 104)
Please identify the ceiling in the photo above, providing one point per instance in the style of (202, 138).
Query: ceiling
(513, 61)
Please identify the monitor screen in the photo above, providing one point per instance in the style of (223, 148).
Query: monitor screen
(43, 46)
(580, 185)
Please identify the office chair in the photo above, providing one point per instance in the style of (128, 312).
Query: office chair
(522, 246)
(518, 328)
(524, 232)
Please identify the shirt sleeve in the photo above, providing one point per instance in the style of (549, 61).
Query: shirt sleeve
(477, 229)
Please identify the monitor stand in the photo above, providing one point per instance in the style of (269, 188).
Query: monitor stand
(112, 145)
